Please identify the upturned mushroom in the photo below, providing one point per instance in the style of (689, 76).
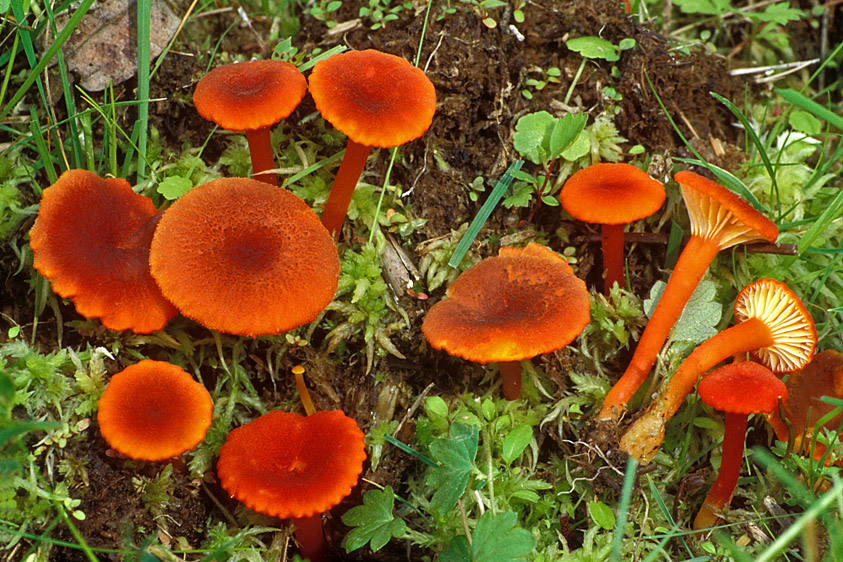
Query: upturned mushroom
(772, 324)
(738, 390)
(243, 257)
(612, 195)
(286, 465)
(153, 411)
(251, 97)
(523, 303)
(719, 220)
(91, 240)
(377, 100)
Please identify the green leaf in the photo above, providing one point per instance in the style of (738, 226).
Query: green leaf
(495, 539)
(804, 122)
(436, 407)
(602, 515)
(580, 148)
(779, 13)
(532, 136)
(565, 131)
(699, 317)
(708, 7)
(174, 187)
(516, 441)
(373, 522)
(455, 455)
(593, 48)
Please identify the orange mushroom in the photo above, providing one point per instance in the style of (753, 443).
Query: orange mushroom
(772, 324)
(376, 99)
(153, 411)
(522, 303)
(738, 390)
(286, 465)
(91, 240)
(242, 257)
(612, 195)
(251, 97)
(823, 376)
(719, 220)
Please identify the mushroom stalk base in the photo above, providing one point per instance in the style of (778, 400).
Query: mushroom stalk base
(310, 537)
(336, 207)
(260, 149)
(511, 375)
(721, 492)
(691, 266)
(644, 437)
(613, 262)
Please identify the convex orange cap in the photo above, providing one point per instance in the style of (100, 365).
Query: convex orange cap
(522, 303)
(153, 411)
(376, 99)
(244, 257)
(91, 240)
(611, 193)
(286, 465)
(249, 95)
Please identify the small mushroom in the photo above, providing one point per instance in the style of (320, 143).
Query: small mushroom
(719, 220)
(243, 257)
(376, 99)
(772, 324)
(738, 390)
(823, 376)
(286, 465)
(505, 309)
(612, 195)
(153, 411)
(251, 97)
(91, 240)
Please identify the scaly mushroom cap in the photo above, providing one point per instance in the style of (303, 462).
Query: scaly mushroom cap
(789, 323)
(718, 214)
(286, 465)
(823, 376)
(154, 411)
(91, 240)
(522, 303)
(742, 388)
(244, 257)
(374, 98)
(611, 193)
(245, 96)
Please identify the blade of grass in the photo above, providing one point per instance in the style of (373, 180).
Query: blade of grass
(35, 74)
(811, 107)
(144, 16)
(666, 512)
(89, 554)
(623, 508)
(29, 49)
(41, 144)
(9, 67)
(410, 451)
(483, 214)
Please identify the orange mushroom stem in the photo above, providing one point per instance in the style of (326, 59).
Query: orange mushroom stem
(511, 377)
(613, 262)
(260, 150)
(336, 207)
(738, 390)
(773, 324)
(719, 220)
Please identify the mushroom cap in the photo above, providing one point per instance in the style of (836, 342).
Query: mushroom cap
(286, 465)
(522, 303)
(718, 214)
(153, 411)
(823, 376)
(611, 193)
(245, 96)
(376, 99)
(742, 388)
(91, 240)
(790, 325)
(244, 257)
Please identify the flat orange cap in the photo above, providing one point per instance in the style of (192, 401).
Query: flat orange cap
(611, 193)
(245, 96)
(287, 465)
(522, 303)
(243, 257)
(374, 98)
(91, 240)
(154, 411)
